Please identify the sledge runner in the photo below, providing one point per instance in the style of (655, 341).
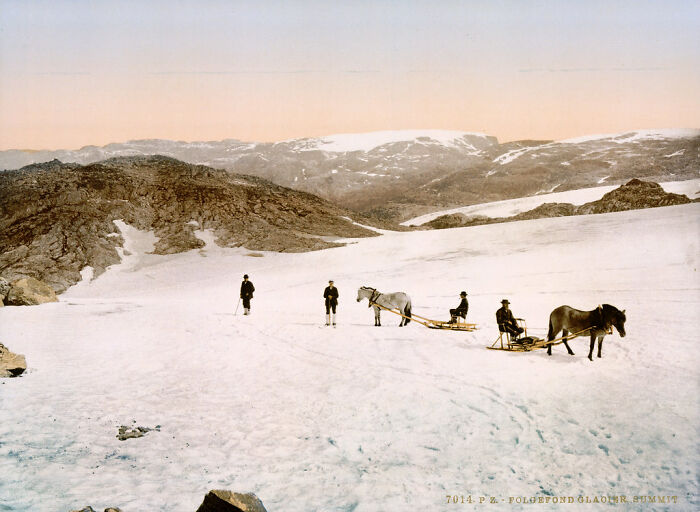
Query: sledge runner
(331, 295)
(247, 290)
(461, 310)
(506, 320)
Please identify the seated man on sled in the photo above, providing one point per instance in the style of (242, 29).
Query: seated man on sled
(506, 321)
(461, 310)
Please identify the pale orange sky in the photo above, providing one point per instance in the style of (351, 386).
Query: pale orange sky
(77, 73)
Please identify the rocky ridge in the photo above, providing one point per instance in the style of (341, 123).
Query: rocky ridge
(57, 218)
(634, 195)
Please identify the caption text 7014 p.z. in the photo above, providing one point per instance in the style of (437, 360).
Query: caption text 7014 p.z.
(532, 500)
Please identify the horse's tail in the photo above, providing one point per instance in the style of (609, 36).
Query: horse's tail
(407, 311)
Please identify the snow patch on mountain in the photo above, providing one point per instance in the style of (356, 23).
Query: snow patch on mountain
(346, 142)
(677, 153)
(620, 138)
(508, 157)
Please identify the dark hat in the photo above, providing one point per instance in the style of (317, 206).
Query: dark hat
(245, 276)
(330, 280)
(463, 294)
(505, 301)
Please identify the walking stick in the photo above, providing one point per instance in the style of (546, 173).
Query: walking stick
(239, 303)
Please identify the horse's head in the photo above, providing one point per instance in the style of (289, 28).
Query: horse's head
(615, 317)
(363, 293)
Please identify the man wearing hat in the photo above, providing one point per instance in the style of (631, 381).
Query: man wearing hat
(331, 296)
(460, 310)
(506, 321)
(247, 290)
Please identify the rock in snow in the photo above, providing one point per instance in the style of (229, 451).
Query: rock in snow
(11, 364)
(214, 501)
(30, 292)
(90, 509)
(227, 501)
(4, 290)
(133, 433)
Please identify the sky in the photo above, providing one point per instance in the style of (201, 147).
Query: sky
(74, 73)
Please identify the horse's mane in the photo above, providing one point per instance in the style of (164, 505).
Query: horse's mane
(608, 308)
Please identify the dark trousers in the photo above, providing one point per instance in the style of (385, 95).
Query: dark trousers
(330, 306)
(246, 302)
(513, 329)
(454, 313)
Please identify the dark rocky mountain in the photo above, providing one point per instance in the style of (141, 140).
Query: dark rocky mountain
(57, 218)
(634, 195)
(399, 175)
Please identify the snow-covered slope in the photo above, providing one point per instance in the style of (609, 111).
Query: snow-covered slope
(362, 418)
(345, 142)
(509, 207)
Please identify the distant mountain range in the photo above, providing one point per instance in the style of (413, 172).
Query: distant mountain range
(395, 175)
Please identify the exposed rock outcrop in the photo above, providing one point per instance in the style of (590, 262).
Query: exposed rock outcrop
(227, 501)
(634, 195)
(30, 292)
(56, 219)
(4, 289)
(11, 364)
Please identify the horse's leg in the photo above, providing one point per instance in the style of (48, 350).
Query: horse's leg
(600, 346)
(590, 352)
(550, 337)
(565, 333)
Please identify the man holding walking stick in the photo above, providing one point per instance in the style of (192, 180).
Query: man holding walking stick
(247, 290)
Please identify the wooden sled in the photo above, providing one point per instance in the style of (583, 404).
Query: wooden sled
(433, 324)
(527, 343)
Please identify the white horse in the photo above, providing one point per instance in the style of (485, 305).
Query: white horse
(396, 300)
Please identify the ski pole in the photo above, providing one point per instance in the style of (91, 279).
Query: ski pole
(239, 303)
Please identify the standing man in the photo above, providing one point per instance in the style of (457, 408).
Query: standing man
(331, 296)
(460, 310)
(506, 321)
(247, 290)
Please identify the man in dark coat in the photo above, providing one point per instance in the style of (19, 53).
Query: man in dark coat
(331, 295)
(460, 310)
(247, 290)
(506, 321)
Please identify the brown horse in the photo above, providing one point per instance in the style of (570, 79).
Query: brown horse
(598, 322)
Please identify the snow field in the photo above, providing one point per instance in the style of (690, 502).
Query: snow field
(360, 418)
